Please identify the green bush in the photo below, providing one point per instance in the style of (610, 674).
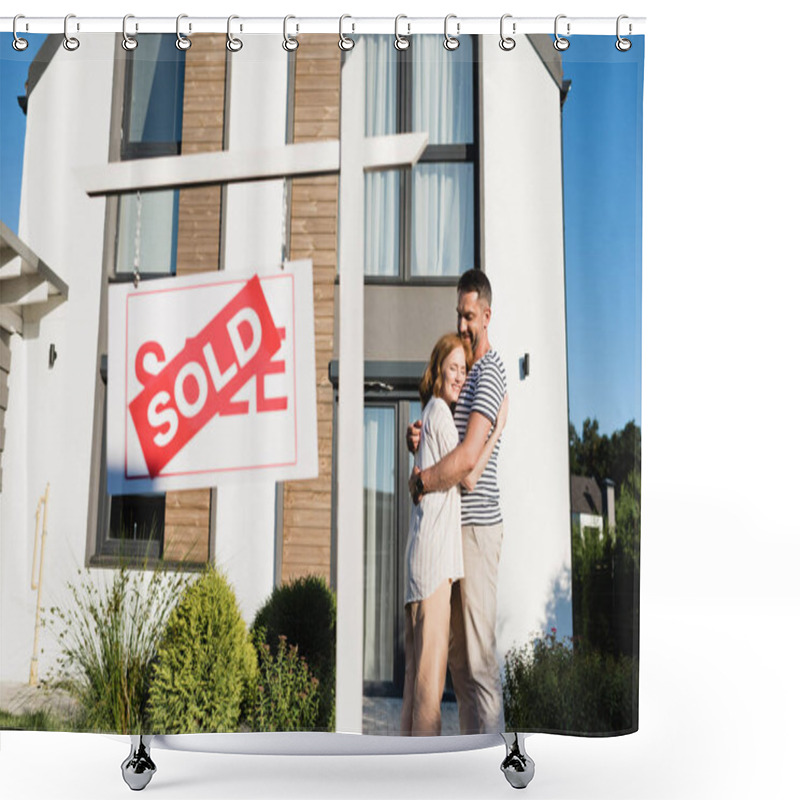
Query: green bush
(286, 693)
(304, 612)
(108, 636)
(551, 685)
(205, 666)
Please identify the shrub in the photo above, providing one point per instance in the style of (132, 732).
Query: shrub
(205, 665)
(304, 612)
(108, 640)
(551, 685)
(286, 694)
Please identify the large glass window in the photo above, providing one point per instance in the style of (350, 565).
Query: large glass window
(420, 223)
(132, 526)
(147, 233)
(153, 111)
(152, 125)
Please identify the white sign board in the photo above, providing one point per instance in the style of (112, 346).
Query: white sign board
(211, 379)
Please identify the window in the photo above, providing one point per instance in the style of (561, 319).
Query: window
(152, 124)
(420, 223)
(132, 526)
(387, 465)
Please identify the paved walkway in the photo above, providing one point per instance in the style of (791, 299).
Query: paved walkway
(382, 716)
(19, 698)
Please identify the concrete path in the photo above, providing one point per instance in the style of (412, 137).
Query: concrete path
(382, 716)
(19, 698)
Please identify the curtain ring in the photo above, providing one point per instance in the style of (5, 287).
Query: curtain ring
(128, 42)
(182, 42)
(451, 42)
(401, 42)
(233, 44)
(561, 43)
(290, 43)
(507, 42)
(345, 42)
(70, 42)
(623, 44)
(19, 43)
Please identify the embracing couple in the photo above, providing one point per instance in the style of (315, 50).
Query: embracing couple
(456, 528)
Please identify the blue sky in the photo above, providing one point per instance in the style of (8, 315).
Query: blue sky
(13, 74)
(602, 207)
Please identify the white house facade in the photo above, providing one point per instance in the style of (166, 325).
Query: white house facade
(388, 236)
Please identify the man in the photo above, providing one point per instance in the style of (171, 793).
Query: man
(473, 605)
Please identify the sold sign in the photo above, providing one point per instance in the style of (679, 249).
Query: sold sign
(201, 379)
(211, 379)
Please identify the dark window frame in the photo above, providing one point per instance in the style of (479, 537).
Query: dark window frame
(433, 154)
(109, 550)
(399, 400)
(131, 150)
(134, 150)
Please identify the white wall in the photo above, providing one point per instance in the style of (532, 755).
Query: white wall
(49, 419)
(524, 259)
(253, 236)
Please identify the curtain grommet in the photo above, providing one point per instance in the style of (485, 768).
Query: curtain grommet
(507, 43)
(561, 43)
(234, 44)
(345, 42)
(71, 43)
(290, 43)
(19, 44)
(182, 42)
(451, 42)
(622, 44)
(128, 42)
(401, 42)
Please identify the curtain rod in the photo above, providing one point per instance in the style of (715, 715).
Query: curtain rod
(350, 25)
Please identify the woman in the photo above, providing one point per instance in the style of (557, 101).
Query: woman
(433, 554)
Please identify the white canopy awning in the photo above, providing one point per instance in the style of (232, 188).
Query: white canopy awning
(29, 288)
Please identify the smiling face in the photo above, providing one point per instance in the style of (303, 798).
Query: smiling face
(454, 373)
(473, 322)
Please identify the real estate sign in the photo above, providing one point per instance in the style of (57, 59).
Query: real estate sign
(211, 379)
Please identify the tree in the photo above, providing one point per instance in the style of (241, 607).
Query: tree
(605, 565)
(600, 456)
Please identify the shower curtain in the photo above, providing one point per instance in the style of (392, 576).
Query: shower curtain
(224, 270)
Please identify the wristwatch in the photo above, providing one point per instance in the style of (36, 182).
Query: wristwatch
(419, 488)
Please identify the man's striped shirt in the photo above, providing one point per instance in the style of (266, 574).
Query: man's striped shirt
(483, 392)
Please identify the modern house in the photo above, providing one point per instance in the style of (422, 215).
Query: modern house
(591, 505)
(486, 192)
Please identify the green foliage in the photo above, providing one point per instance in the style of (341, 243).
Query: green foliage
(602, 457)
(605, 578)
(34, 721)
(552, 686)
(108, 637)
(205, 666)
(304, 612)
(286, 694)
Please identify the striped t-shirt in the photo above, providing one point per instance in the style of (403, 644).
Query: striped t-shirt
(483, 392)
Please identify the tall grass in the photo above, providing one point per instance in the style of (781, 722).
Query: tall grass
(561, 686)
(108, 638)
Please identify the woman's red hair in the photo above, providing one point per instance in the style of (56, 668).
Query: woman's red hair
(431, 383)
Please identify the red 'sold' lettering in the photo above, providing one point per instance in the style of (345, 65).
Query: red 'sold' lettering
(202, 378)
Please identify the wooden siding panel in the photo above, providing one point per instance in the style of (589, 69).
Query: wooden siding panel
(307, 505)
(188, 513)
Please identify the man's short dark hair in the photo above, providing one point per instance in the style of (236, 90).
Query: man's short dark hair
(476, 281)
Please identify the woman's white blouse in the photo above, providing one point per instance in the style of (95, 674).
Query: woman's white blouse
(433, 553)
